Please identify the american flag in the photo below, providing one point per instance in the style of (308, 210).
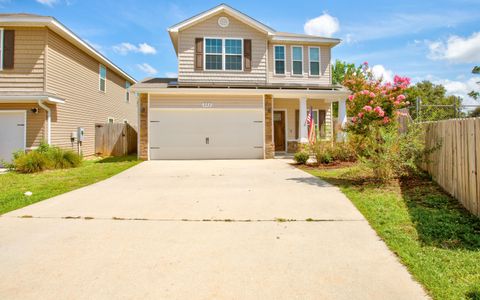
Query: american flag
(312, 135)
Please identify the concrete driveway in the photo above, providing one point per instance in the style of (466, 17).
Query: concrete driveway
(199, 230)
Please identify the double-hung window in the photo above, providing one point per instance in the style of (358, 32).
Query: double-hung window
(279, 56)
(233, 54)
(314, 57)
(297, 60)
(127, 93)
(213, 54)
(223, 54)
(102, 85)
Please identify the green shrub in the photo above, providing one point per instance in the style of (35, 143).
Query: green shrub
(343, 151)
(43, 158)
(301, 157)
(391, 154)
(31, 162)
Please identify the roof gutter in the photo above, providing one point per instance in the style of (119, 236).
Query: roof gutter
(30, 99)
(49, 120)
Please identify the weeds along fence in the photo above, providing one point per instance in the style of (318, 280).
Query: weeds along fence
(115, 139)
(455, 163)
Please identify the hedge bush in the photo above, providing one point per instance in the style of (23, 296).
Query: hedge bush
(45, 157)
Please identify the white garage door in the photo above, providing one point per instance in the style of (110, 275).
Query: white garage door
(206, 133)
(12, 133)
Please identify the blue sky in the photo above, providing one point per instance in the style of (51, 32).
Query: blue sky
(438, 40)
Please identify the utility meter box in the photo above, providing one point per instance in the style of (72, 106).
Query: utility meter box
(80, 134)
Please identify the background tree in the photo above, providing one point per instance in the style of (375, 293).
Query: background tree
(340, 69)
(432, 94)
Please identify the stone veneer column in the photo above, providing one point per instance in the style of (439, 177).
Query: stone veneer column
(143, 130)
(268, 109)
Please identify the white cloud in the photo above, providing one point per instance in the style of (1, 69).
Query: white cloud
(379, 72)
(171, 75)
(459, 88)
(146, 68)
(48, 2)
(456, 49)
(399, 24)
(324, 25)
(125, 48)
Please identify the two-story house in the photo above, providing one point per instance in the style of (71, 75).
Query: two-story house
(52, 83)
(243, 90)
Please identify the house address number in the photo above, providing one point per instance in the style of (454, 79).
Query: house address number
(207, 104)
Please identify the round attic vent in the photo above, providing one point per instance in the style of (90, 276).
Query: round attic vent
(223, 22)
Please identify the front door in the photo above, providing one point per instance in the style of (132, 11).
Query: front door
(279, 130)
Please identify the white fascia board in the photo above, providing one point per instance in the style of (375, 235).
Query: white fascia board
(279, 38)
(329, 95)
(66, 33)
(30, 99)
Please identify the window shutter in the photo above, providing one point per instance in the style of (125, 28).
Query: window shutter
(297, 120)
(247, 55)
(198, 53)
(8, 48)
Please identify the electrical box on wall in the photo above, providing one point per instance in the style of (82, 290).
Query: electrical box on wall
(80, 134)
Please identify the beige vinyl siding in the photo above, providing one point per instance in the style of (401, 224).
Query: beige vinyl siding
(74, 76)
(35, 121)
(29, 54)
(293, 104)
(210, 28)
(325, 66)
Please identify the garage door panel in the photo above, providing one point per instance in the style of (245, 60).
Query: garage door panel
(12, 133)
(206, 134)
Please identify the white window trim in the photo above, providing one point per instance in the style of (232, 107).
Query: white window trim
(1, 49)
(224, 54)
(100, 77)
(310, 60)
(110, 118)
(284, 61)
(291, 54)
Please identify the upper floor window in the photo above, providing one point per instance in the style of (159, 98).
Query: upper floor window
(127, 93)
(233, 54)
(102, 86)
(314, 58)
(213, 54)
(279, 52)
(223, 54)
(297, 60)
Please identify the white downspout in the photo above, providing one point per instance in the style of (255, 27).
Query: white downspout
(49, 120)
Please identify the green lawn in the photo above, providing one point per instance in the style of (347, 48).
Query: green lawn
(430, 232)
(47, 184)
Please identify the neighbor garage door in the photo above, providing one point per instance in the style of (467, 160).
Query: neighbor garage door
(12, 133)
(206, 129)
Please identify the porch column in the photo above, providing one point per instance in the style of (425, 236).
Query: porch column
(342, 119)
(303, 130)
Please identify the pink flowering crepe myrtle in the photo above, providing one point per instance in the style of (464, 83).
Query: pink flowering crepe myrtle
(372, 101)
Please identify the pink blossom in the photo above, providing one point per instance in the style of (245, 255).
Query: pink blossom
(386, 120)
(372, 95)
(379, 111)
(365, 63)
(396, 102)
(366, 92)
(360, 114)
(401, 97)
(351, 97)
(367, 108)
(354, 119)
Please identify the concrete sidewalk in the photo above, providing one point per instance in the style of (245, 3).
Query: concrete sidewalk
(199, 230)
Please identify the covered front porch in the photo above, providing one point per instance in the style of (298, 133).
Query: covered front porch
(289, 115)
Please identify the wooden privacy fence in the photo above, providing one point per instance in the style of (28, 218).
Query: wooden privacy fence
(115, 139)
(455, 165)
